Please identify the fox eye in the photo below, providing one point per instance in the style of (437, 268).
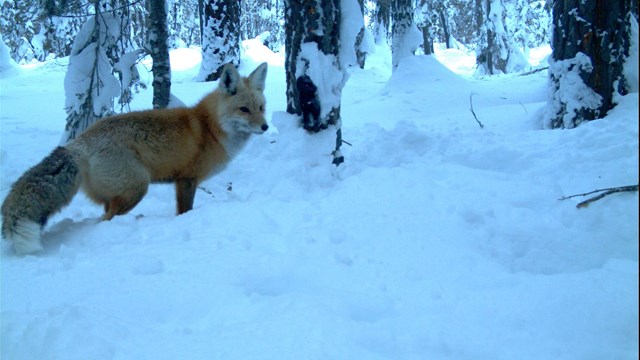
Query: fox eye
(245, 109)
(261, 108)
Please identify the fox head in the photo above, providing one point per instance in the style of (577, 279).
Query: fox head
(242, 104)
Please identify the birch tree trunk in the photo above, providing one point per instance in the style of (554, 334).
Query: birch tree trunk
(157, 36)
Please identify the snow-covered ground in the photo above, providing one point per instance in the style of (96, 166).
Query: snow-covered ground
(436, 239)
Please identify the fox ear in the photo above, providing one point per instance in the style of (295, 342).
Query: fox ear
(258, 77)
(229, 79)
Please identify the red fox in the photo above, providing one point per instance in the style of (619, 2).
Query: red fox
(116, 159)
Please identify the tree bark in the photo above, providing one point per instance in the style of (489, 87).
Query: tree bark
(445, 27)
(427, 42)
(221, 37)
(307, 24)
(486, 57)
(600, 30)
(312, 63)
(403, 25)
(361, 56)
(158, 35)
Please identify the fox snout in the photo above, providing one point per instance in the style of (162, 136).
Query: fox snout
(262, 129)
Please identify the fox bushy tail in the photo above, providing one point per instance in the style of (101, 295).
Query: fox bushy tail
(42, 191)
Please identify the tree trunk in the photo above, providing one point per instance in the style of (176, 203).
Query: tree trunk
(312, 63)
(361, 55)
(427, 43)
(426, 25)
(497, 52)
(590, 42)
(221, 37)
(201, 19)
(445, 27)
(486, 53)
(312, 44)
(158, 35)
(402, 31)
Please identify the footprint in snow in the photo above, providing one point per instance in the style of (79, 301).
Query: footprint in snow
(149, 267)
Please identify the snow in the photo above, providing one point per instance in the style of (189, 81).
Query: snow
(326, 72)
(6, 62)
(508, 50)
(351, 22)
(570, 94)
(631, 63)
(218, 47)
(90, 64)
(434, 240)
(406, 40)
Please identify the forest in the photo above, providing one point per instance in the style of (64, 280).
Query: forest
(49, 26)
(501, 32)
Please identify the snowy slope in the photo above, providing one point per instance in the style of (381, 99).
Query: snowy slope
(435, 240)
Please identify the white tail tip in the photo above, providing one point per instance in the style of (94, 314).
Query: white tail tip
(25, 237)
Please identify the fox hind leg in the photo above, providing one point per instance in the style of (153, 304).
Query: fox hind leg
(117, 181)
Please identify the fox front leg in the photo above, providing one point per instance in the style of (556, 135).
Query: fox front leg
(185, 192)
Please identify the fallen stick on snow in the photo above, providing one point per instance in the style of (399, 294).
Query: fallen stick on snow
(534, 71)
(473, 112)
(605, 192)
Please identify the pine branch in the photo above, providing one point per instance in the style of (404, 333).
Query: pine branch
(473, 112)
(605, 192)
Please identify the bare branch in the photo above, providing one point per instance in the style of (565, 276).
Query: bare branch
(534, 71)
(605, 192)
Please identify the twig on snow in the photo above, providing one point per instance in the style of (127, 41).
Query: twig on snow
(605, 192)
(534, 71)
(473, 112)
(206, 190)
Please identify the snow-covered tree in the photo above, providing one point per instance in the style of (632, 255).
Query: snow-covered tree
(590, 44)
(362, 42)
(6, 62)
(314, 71)
(90, 83)
(58, 28)
(435, 20)
(158, 35)
(19, 38)
(497, 52)
(426, 21)
(220, 37)
(405, 35)
(353, 42)
(263, 19)
(183, 23)
(527, 23)
(382, 21)
(538, 23)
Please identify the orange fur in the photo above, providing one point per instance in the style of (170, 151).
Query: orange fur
(126, 152)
